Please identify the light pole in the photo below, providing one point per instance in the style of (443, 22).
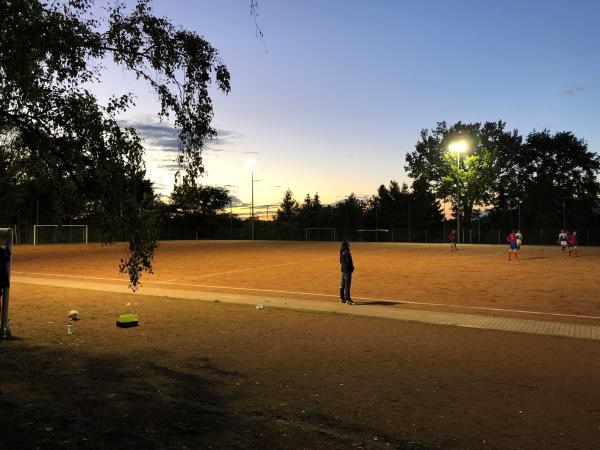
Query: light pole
(458, 147)
(250, 163)
(376, 224)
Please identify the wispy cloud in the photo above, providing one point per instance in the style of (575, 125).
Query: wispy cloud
(157, 135)
(223, 141)
(577, 89)
(162, 136)
(169, 165)
(237, 203)
(574, 90)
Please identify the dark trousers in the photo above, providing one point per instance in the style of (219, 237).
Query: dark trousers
(345, 286)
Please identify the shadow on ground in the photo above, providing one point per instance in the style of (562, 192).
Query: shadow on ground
(376, 303)
(62, 397)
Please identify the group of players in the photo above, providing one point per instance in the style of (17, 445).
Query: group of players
(567, 241)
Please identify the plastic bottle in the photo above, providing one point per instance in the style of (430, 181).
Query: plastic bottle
(70, 326)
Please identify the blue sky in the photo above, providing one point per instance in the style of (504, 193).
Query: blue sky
(346, 86)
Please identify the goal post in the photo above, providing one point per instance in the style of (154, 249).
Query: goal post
(375, 235)
(60, 234)
(15, 234)
(6, 244)
(319, 234)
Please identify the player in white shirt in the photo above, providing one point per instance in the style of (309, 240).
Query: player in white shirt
(563, 240)
(519, 237)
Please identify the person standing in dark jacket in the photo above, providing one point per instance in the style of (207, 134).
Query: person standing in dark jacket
(347, 268)
(4, 262)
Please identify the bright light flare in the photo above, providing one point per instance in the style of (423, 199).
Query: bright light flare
(250, 163)
(458, 146)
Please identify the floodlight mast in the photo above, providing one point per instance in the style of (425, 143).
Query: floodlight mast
(458, 147)
(250, 163)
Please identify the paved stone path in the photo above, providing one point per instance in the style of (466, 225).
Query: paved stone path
(572, 330)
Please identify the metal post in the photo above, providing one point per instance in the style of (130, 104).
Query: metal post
(458, 197)
(444, 222)
(346, 220)
(252, 208)
(376, 225)
(541, 236)
(588, 242)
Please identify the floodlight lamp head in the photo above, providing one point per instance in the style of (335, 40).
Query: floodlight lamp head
(250, 163)
(459, 146)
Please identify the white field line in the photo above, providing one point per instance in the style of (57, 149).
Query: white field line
(260, 267)
(69, 276)
(316, 294)
(168, 281)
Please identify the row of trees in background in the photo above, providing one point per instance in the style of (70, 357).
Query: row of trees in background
(393, 206)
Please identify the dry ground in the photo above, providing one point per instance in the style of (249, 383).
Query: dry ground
(200, 375)
(477, 279)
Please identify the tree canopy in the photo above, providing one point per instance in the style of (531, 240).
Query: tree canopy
(502, 171)
(50, 121)
(197, 200)
(468, 178)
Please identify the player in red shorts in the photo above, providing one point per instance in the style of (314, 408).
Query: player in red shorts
(573, 243)
(452, 239)
(513, 247)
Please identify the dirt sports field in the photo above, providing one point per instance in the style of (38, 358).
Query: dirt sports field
(201, 374)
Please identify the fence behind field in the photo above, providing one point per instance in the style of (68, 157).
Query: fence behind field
(271, 231)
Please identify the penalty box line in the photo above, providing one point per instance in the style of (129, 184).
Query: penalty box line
(316, 294)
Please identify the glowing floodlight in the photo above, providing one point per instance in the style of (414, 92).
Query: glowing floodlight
(458, 146)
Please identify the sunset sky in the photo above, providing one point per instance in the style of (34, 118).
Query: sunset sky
(337, 92)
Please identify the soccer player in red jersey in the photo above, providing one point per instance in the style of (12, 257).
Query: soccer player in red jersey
(452, 239)
(573, 243)
(513, 247)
